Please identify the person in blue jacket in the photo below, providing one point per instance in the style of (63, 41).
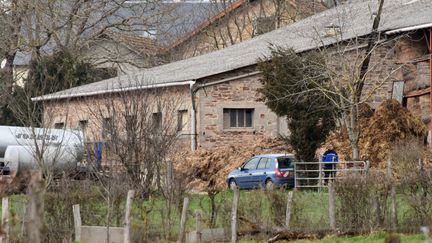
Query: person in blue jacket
(329, 157)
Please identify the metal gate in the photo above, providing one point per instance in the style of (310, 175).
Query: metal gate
(318, 174)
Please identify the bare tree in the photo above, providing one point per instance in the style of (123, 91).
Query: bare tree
(351, 72)
(350, 68)
(235, 21)
(138, 129)
(35, 28)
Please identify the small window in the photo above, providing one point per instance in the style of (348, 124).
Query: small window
(182, 118)
(131, 125)
(131, 121)
(59, 125)
(251, 164)
(106, 127)
(284, 162)
(263, 164)
(83, 125)
(157, 121)
(237, 118)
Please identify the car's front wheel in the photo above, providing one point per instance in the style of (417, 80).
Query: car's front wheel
(232, 184)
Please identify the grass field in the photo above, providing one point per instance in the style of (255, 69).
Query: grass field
(374, 238)
(310, 212)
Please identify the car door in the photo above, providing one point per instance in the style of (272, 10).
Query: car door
(286, 166)
(245, 177)
(261, 171)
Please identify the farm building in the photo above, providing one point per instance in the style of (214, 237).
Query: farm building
(217, 98)
(240, 21)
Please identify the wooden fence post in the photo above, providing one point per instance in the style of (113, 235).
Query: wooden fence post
(420, 164)
(183, 220)
(393, 196)
(198, 226)
(5, 218)
(394, 208)
(425, 231)
(127, 221)
(332, 213)
(234, 215)
(367, 166)
(288, 209)
(35, 207)
(77, 221)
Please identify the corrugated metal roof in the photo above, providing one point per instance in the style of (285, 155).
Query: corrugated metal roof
(354, 19)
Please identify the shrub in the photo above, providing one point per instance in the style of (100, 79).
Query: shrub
(363, 202)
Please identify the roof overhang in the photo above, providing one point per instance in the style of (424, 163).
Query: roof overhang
(407, 29)
(110, 91)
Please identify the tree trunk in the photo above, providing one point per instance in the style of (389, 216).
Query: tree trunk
(354, 126)
(354, 131)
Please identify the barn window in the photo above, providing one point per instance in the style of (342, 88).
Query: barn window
(157, 121)
(83, 125)
(107, 127)
(182, 118)
(59, 125)
(238, 118)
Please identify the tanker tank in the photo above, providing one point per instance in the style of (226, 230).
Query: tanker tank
(56, 159)
(23, 141)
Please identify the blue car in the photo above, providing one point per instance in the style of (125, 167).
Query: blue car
(264, 171)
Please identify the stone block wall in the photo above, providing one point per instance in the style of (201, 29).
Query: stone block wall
(240, 93)
(241, 23)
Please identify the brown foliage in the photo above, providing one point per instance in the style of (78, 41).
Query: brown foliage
(380, 130)
(391, 123)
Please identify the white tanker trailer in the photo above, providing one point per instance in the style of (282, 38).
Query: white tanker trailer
(61, 149)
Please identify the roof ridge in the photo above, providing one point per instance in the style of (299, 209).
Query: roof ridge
(301, 36)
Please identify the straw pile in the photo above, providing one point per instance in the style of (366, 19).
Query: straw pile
(207, 170)
(390, 124)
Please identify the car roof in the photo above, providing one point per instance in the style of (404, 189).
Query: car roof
(274, 155)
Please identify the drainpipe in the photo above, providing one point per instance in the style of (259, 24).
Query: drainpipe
(193, 117)
(194, 88)
(430, 85)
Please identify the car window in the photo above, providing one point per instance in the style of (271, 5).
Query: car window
(284, 162)
(268, 163)
(251, 164)
(262, 164)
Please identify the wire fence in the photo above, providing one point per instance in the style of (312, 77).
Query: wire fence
(355, 204)
(318, 174)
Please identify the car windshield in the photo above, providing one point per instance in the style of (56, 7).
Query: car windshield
(284, 162)
(251, 164)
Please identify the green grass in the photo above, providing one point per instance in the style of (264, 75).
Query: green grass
(373, 238)
(310, 212)
(378, 238)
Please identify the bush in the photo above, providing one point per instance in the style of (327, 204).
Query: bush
(363, 202)
(58, 204)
